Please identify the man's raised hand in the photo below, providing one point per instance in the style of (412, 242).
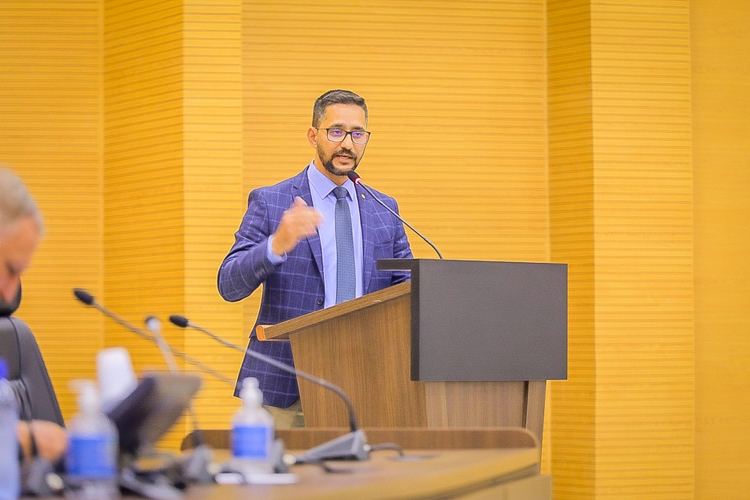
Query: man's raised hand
(299, 221)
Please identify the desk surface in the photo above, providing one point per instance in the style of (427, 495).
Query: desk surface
(470, 464)
(425, 474)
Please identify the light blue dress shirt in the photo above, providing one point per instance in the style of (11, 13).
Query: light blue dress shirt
(321, 190)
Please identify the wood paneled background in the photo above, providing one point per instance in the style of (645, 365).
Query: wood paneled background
(608, 134)
(720, 34)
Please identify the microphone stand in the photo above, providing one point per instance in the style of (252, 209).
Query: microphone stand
(356, 179)
(351, 446)
(196, 467)
(197, 464)
(88, 299)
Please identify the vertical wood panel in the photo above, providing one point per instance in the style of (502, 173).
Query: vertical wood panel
(644, 248)
(571, 209)
(213, 192)
(625, 179)
(143, 174)
(721, 93)
(50, 134)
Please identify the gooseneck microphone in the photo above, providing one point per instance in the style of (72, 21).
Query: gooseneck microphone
(154, 326)
(193, 467)
(197, 465)
(356, 179)
(88, 299)
(350, 446)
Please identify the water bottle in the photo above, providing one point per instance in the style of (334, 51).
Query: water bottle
(10, 473)
(252, 433)
(91, 459)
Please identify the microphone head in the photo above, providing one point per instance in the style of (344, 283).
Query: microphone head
(180, 321)
(83, 296)
(153, 324)
(354, 176)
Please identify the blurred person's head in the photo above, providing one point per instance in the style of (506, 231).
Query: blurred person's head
(21, 228)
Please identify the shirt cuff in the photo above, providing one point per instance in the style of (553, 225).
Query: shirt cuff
(272, 257)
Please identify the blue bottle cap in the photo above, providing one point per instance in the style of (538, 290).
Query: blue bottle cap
(3, 368)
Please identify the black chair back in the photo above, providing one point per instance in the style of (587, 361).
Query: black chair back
(26, 369)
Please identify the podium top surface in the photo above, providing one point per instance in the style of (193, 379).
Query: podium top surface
(281, 331)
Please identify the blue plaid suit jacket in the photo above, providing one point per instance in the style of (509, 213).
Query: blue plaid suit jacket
(295, 287)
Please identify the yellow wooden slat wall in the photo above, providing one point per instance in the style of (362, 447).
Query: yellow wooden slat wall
(572, 428)
(456, 94)
(213, 192)
(643, 248)
(143, 172)
(621, 211)
(174, 183)
(457, 110)
(721, 151)
(50, 134)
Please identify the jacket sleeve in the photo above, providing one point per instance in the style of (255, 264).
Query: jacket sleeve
(246, 265)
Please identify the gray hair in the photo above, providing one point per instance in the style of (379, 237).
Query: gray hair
(15, 201)
(335, 97)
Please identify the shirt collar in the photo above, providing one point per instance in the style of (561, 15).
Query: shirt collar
(322, 185)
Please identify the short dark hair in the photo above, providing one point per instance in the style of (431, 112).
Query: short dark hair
(335, 97)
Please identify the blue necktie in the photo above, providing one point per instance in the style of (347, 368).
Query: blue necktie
(346, 281)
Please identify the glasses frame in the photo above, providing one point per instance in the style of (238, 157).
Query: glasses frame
(346, 133)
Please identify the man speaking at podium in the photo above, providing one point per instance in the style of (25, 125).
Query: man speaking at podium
(312, 241)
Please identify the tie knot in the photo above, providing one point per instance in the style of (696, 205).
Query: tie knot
(339, 192)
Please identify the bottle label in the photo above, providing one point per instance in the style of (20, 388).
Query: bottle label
(91, 457)
(251, 441)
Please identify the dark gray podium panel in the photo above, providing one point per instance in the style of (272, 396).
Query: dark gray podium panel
(487, 321)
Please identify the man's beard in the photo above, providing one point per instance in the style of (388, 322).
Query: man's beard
(328, 163)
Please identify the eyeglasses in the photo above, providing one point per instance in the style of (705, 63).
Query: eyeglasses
(338, 135)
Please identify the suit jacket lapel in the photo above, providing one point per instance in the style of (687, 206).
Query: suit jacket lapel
(301, 188)
(367, 220)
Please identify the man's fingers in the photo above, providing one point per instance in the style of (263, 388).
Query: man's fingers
(302, 214)
(299, 221)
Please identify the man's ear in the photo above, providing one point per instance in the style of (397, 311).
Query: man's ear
(312, 133)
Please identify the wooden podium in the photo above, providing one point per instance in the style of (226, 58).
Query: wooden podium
(464, 344)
